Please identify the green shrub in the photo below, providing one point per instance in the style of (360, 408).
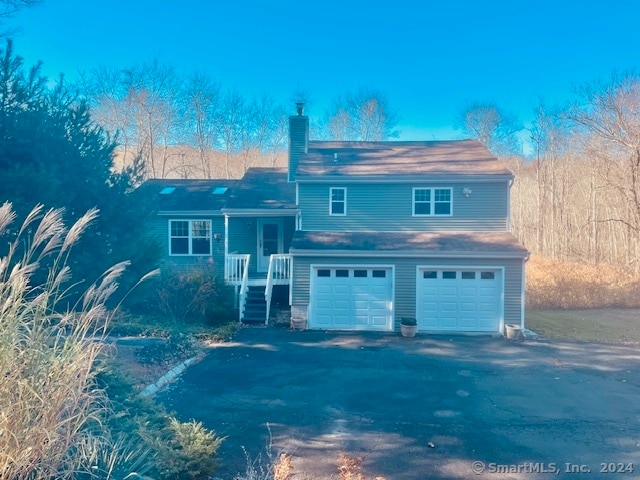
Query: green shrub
(174, 450)
(188, 294)
(190, 453)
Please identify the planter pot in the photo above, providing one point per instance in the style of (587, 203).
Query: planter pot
(513, 332)
(408, 330)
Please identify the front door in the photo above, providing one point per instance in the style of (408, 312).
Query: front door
(269, 241)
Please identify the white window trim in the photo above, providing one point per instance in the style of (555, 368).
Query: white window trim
(190, 237)
(331, 189)
(432, 202)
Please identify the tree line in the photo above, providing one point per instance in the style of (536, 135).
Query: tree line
(577, 196)
(174, 125)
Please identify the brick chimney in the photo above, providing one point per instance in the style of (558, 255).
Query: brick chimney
(298, 138)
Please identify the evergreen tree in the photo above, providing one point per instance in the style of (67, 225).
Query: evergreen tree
(53, 153)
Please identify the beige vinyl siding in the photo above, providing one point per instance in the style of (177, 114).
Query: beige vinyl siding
(405, 280)
(389, 207)
(159, 231)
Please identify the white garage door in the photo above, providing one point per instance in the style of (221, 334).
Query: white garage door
(462, 300)
(351, 298)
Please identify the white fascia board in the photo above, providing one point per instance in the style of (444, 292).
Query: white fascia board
(260, 212)
(418, 178)
(191, 213)
(405, 254)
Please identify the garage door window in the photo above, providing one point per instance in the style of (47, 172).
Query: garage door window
(324, 273)
(468, 275)
(360, 273)
(449, 275)
(431, 274)
(379, 273)
(342, 273)
(487, 275)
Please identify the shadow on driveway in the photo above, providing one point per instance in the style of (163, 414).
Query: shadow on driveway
(529, 408)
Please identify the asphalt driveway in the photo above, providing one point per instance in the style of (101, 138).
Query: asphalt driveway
(420, 408)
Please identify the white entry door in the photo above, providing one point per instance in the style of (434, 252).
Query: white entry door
(269, 241)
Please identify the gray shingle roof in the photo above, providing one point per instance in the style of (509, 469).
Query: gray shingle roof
(189, 195)
(428, 242)
(263, 188)
(260, 188)
(399, 158)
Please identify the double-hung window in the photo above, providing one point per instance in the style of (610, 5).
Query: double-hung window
(337, 201)
(432, 201)
(189, 237)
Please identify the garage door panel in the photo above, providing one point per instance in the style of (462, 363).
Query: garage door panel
(361, 304)
(485, 307)
(378, 305)
(323, 319)
(361, 320)
(467, 300)
(450, 322)
(380, 289)
(324, 304)
(354, 299)
(468, 291)
(487, 291)
(468, 322)
(449, 306)
(342, 304)
(467, 307)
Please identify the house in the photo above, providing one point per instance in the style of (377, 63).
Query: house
(360, 234)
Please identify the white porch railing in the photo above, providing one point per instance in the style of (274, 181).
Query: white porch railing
(236, 266)
(279, 273)
(244, 286)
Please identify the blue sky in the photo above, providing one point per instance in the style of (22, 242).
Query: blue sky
(428, 57)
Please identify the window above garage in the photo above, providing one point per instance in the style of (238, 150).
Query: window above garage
(432, 202)
(337, 201)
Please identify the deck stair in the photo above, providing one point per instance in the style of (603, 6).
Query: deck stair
(255, 310)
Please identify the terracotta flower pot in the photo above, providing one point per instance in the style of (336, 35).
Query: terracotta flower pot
(408, 330)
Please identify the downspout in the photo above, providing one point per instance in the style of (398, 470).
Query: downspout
(524, 288)
(509, 205)
(226, 243)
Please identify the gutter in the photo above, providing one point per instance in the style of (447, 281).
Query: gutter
(407, 254)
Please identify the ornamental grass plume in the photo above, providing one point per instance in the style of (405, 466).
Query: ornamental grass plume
(51, 412)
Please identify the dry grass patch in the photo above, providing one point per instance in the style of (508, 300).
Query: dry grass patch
(571, 285)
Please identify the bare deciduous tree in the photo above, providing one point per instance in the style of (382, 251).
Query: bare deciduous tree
(494, 128)
(364, 115)
(201, 110)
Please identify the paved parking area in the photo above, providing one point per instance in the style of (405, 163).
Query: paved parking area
(420, 408)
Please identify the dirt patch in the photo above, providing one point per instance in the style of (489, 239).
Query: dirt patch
(124, 357)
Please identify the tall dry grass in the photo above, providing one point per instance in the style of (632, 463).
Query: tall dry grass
(562, 284)
(51, 413)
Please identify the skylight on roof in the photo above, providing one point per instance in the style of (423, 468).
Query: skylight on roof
(167, 190)
(219, 190)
